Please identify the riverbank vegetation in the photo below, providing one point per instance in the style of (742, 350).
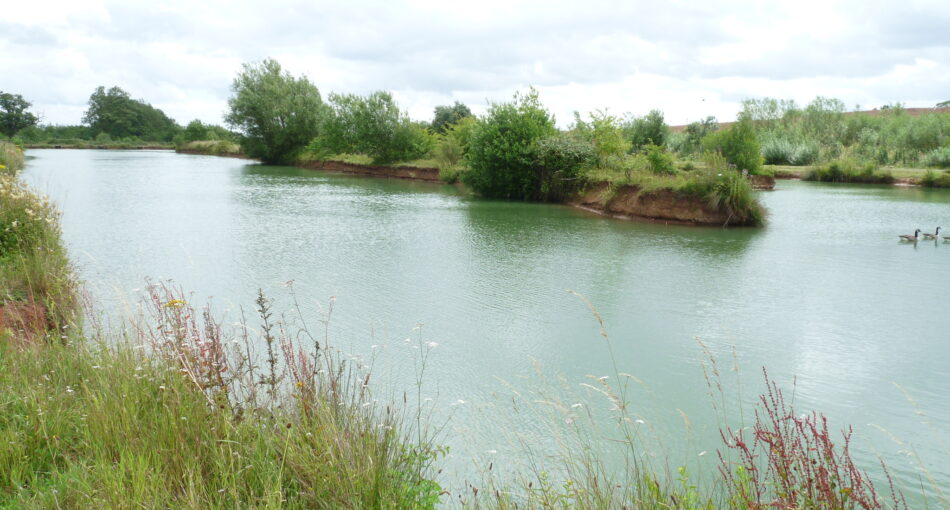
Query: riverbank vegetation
(514, 151)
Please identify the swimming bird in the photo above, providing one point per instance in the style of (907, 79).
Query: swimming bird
(935, 235)
(911, 238)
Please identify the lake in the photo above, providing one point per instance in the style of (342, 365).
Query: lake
(844, 316)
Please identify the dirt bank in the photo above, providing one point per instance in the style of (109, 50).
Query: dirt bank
(629, 202)
(398, 172)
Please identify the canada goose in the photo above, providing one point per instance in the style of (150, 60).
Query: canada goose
(935, 235)
(912, 238)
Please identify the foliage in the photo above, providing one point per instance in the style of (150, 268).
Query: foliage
(661, 161)
(846, 170)
(938, 158)
(606, 133)
(561, 159)
(115, 113)
(933, 179)
(197, 131)
(642, 131)
(503, 149)
(791, 461)
(14, 116)
(729, 191)
(276, 113)
(373, 125)
(34, 272)
(203, 417)
(452, 148)
(782, 151)
(445, 116)
(691, 140)
(824, 131)
(738, 144)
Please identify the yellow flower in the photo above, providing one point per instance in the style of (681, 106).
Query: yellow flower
(3, 167)
(175, 303)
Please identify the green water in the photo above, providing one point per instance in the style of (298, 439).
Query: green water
(825, 295)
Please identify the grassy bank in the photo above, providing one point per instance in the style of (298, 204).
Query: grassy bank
(91, 144)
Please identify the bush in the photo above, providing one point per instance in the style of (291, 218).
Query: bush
(646, 130)
(276, 113)
(661, 161)
(561, 158)
(934, 180)
(781, 151)
(738, 144)
(372, 125)
(938, 158)
(728, 191)
(844, 170)
(503, 149)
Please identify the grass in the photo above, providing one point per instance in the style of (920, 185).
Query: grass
(212, 147)
(900, 174)
(932, 179)
(176, 413)
(77, 143)
(712, 180)
(845, 170)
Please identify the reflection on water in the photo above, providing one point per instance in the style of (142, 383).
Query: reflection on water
(825, 294)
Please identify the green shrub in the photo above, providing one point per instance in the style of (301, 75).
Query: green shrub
(661, 161)
(728, 191)
(781, 151)
(844, 170)
(561, 158)
(738, 144)
(641, 131)
(935, 180)
(372, 125)
(938, 158)
(502, 153)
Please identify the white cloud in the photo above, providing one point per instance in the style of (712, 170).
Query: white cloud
(684, 58)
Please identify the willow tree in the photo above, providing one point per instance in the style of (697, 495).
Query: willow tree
(276, 113)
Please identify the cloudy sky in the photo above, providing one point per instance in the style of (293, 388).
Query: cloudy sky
(688, 59)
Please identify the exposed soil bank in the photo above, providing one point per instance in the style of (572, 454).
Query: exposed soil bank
(629, 202)
(762, 182)
(104, 147)
(398, 172)
(201, 152)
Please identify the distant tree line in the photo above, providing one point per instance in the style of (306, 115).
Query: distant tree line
(111, 116)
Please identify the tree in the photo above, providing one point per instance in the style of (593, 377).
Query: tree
(372, 125)
(14, 115)
(445, 116)
(943, 104)
(115, 113)
(502, 154)
(643, 131)
(738, 144)
(276, 113)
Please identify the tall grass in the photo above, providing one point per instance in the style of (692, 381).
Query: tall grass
(36, 287)
(179, 413)
(780, 459)
(845, 170)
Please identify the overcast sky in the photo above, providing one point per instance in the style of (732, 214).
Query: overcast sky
(687, 59)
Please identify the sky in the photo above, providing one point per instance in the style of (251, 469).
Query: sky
(686, 59)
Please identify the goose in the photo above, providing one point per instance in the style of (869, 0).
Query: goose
(935, 235)
(912, 238)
